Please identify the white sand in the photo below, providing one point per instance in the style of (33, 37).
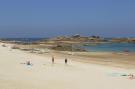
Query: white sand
(44, 75)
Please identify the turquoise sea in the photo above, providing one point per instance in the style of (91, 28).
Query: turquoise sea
(111, 47)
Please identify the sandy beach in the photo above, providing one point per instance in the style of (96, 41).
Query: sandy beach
(42, 74)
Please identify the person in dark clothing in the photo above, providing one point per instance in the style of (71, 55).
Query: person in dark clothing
(66, 60)
(53, 60)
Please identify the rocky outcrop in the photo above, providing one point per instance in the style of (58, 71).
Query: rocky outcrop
(67, 47)
(78, 38)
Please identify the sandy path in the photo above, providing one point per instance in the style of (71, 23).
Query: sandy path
(44, 75)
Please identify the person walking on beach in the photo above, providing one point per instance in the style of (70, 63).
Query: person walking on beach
(52, 60)
(66, 60)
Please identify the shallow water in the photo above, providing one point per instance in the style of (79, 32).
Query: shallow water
(111, 47)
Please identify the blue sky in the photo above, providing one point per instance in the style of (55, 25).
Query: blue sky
(48, 18)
